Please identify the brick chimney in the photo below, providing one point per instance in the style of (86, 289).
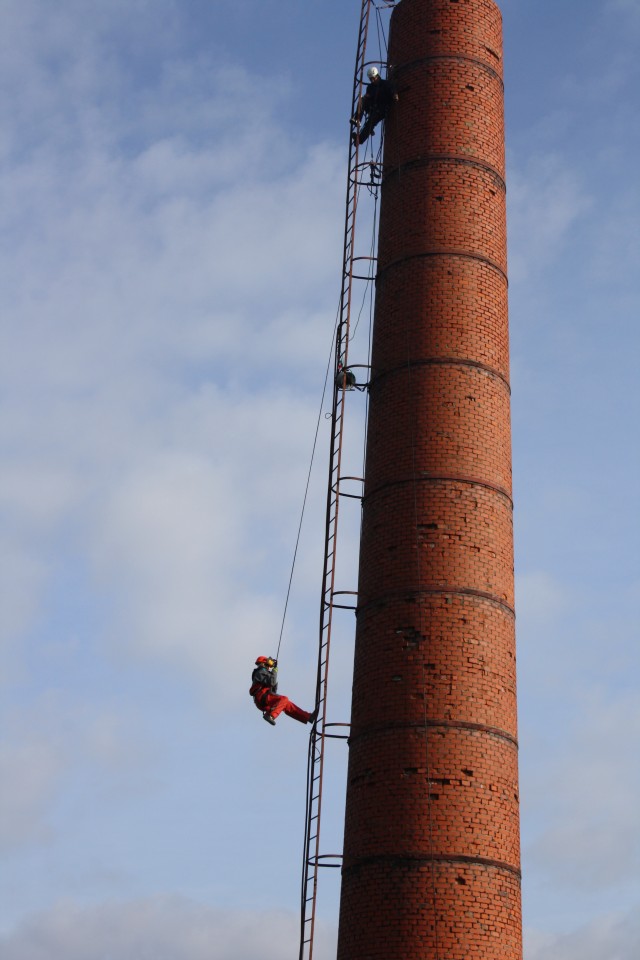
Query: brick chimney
(431, 850)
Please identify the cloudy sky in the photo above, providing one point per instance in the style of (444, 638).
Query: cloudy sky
(172, 189)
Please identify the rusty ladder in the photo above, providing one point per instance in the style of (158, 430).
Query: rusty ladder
(331, 599)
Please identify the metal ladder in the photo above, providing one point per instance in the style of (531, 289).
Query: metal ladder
(332, 599)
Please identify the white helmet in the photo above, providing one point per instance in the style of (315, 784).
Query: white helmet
(373, 72)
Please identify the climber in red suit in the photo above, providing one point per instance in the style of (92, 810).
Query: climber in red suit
(264, 686)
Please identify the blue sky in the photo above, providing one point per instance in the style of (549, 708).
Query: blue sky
(173, 178)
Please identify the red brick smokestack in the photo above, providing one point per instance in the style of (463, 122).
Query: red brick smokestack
(431, 852)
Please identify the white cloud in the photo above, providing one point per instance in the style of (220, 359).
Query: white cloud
(30, 772)
(617, 250)
(23, 574)
(47, 746)
(609, 937)
(189, 528)
(588, 794)
(540, 598)
(157, 266)
(160, 928)
(546, 201)
(631, 8)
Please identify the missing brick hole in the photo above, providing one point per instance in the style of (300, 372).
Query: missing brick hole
(361, 778)
(434, 796)
(408, 771)
(412, 637)
(440, 199)
(461, 881)
(470, 86)
(468, 773)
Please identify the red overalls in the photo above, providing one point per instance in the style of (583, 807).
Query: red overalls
(274, 704)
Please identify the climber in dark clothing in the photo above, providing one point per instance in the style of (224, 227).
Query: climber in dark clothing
(264, 686)
(374, 105)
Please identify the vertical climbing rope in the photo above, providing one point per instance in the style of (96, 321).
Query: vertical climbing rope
(306, 489)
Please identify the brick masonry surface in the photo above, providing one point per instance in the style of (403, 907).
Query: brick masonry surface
(431, 851)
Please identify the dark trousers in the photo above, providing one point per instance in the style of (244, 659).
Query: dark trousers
(370, 123)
